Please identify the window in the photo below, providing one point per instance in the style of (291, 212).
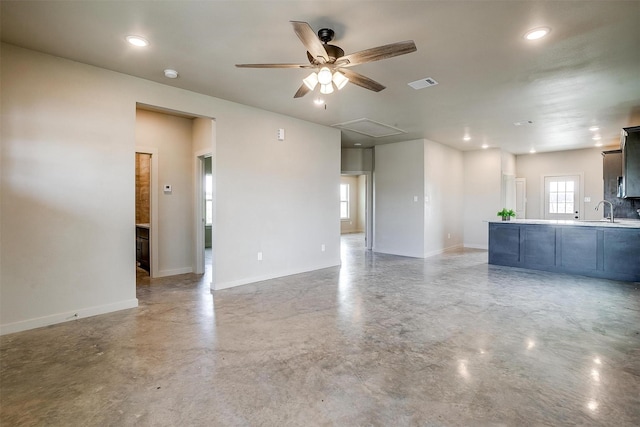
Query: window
(208, 199)
(561, 197)
(344, 201)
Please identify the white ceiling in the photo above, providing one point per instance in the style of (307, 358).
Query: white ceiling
(586, 72)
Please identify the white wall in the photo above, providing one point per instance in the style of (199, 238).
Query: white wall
(444, 181)
(172, 137)
(68, 135)
(587, 162)
(418, 198)
(482, 194)
(356, 160)
(203, 134)
(398, 218)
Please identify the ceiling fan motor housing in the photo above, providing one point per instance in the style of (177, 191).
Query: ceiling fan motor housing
(326, 35)
(334, 53)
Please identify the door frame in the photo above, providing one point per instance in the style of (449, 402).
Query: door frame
(153, 202)
(523, 200)
(368, 217)
(198, 204)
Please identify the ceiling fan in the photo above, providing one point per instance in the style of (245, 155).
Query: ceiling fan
(331, 65)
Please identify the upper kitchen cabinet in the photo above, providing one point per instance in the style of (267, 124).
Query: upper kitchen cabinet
(630, 146)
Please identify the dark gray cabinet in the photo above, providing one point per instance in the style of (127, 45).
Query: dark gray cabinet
(142, 248)
(630, 146)
(596, 251)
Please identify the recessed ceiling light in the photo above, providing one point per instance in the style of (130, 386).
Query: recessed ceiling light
(532, 151)
(485, 146)
(357, 144)
(537, 33)
(467, 138)
(138, 41)
(594, 128)
(598, 144)
(171, 74)
(596, 137)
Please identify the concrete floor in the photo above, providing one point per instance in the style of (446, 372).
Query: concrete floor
(385, 340)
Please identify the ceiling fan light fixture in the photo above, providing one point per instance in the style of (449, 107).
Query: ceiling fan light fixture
(326, 89)
(340, 80)
(537, 33)
(324, 76)
(137, 41)
(311, 81)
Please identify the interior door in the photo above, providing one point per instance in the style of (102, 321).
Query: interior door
(562, 196)
(521, 198)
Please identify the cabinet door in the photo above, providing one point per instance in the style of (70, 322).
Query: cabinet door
(631, 161)
(138, 249)
(144, 254)
(621, 249)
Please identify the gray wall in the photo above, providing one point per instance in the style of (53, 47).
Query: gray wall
(68, 189)
(586, 162)
(356, 160)
(398, 200)
(418, 198)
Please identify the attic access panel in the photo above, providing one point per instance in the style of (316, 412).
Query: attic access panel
(369, 128)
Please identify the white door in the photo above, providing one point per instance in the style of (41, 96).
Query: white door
(521, 198)
(562, 196)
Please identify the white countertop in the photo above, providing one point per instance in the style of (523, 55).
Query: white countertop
(143, 225)
(619, 223)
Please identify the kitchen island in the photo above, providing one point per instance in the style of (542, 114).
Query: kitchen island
(589, 248)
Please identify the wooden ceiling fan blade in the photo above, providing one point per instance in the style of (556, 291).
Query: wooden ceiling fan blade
(362, 81)
(302, 91)
(274, 66)
(310, 40)
(378, 53)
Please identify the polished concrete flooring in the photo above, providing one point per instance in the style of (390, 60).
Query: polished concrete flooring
(382, 341)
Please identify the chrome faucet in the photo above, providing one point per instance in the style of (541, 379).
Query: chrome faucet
(610, 208)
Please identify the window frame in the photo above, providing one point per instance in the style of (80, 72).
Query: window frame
(345, 201)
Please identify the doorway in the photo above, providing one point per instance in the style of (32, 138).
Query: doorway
(355, 206)
(204, 209)
(146, 207)
(143, 213)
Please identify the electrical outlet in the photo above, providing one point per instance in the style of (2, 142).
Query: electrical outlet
(259, 256)
(322, 248)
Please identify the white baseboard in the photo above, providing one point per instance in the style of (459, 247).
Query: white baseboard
(249, 280)
(52, 319)
(441, 251)
(174, 272)
(398, 253)
(472, 246)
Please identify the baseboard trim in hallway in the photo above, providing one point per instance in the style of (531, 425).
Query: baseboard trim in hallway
(67, 316)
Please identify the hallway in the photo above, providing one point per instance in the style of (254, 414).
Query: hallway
(383, 340)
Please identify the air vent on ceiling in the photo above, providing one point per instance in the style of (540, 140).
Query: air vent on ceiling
(422, 83)
(369, 128)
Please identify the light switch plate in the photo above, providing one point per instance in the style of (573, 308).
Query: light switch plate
(587, 199)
